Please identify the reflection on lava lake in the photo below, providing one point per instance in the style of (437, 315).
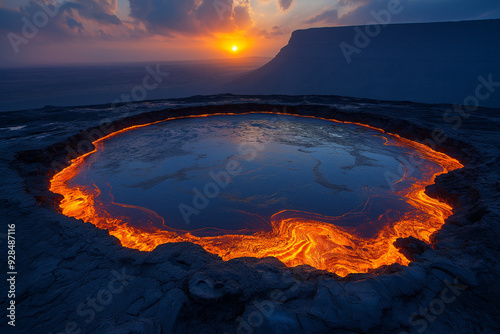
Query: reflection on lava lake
(310, 191)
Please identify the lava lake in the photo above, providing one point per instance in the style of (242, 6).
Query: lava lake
(260, 184)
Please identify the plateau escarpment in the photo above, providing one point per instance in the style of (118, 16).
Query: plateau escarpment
(448, 62)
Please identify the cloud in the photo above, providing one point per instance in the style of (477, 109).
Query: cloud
(354, 12)
(242, 17)
(98, 19)
(164, 15)
(72, 23)
(102, 11)
(9, 19)
(285, 4)
(70, 18)
(327, 16)
(277, 31)
(191, 16)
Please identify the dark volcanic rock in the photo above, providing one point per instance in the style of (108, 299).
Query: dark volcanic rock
(411, 247)
(76, 278)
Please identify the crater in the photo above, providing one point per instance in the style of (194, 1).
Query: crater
(333, 195)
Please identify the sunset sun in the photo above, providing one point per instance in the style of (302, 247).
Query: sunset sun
(233, 44)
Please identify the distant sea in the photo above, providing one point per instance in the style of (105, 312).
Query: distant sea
(36, 87)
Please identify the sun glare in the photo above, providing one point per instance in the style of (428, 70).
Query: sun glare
(232, 44)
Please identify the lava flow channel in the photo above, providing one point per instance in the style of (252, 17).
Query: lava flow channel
(294, 241)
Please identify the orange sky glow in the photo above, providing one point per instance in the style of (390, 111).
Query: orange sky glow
(89, 31)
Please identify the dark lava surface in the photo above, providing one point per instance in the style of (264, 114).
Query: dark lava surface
(301, 165)
(75, 278)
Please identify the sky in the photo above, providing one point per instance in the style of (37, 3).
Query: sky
(48, 32)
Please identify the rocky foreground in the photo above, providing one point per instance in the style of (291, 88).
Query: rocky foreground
(75, 278)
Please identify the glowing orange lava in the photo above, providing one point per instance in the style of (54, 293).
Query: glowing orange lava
(294, 241)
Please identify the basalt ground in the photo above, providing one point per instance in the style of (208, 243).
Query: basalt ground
(73, 276)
